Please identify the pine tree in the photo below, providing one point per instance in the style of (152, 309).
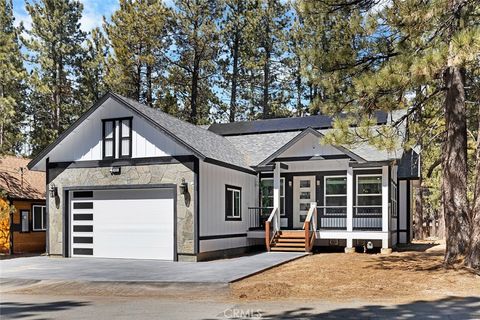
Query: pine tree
(404, 54)
(92, 71)
(12, 83)
(194, 56)
(55, 47)
(268, 56)
(138, 36)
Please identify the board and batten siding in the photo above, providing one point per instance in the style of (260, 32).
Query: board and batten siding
(85, 142)
(213, 179)
(310, 145)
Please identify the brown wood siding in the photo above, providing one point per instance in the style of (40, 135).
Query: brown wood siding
(27, 242)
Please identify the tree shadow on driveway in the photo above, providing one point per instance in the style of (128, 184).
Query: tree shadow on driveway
(18, 310)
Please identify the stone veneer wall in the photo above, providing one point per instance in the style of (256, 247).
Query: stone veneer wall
(130, 175)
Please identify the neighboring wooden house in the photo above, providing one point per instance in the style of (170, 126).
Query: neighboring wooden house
(129, 181)
(25, 190)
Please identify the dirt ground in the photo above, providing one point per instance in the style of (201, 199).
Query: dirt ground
(414, 273)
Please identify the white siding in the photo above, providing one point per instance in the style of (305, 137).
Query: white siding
(317, 165)
(310, 146)
(213, 179)
(85, 142)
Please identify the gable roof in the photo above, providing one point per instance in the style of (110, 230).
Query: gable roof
(281, 124)
(203, 143)
(298, 138)
(28, 185)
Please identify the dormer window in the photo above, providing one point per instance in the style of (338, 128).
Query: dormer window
(117, 138)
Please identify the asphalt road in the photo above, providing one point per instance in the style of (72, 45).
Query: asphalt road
(28, 306)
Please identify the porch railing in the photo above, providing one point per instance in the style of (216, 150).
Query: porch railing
(272, 226)
(332, 218)
(310, 227)
(367, 218)
(258, 216)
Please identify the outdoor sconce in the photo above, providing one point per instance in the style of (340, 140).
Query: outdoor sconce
(115, 170)
(52, 190)
(318, 182)
(183, 187)
(290, 183)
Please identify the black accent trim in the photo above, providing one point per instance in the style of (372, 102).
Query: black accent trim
(66, 224)
(83, 205)
(83, 251)
(308, 158)
(223, 236)
(120, 138)
(83, 216)
(82, 228)
(82, 239)
(32, 224)
(231, 218)
(125, 162)
(370, 164)
(82, 194)
(408, 211)
(196, 199)
(229, 166)
(104, 138)
(47, 205)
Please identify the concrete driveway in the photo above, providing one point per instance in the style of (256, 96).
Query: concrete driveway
(127, 270)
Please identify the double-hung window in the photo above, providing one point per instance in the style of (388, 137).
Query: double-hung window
(335, 196)
(117, 138)
(369, 194)
(266, 188)
(39, 218)
(233, 203)
(394, 200)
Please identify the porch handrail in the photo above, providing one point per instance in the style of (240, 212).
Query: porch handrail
(310, 227)
(272, 224)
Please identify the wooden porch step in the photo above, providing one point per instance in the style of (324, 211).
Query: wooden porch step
(291, 234)
(289, 244)
(296, 249)
(285, 239)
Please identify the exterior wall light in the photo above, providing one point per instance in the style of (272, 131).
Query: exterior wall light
(52, 190)
(115, 170)
(183, 187)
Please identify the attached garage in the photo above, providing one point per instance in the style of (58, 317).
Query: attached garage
(122, 223)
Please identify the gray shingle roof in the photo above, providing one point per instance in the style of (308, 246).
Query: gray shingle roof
(204, 142)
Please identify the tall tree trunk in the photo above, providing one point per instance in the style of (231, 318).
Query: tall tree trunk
(58, 95)
(473, 258)
(418, 232)
(298, 83)
(266, 86)
(233, 94)
(454, 158)
(194, 91)
(149, 86)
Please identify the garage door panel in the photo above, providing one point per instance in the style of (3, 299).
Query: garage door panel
(133, 223)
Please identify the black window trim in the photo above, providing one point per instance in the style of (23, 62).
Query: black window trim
(121, 138)
(104, 138)
(33, 218)
(227, 216)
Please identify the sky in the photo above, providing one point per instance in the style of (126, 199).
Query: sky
(93, 12)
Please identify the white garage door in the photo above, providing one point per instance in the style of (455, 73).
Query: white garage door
(127, 223)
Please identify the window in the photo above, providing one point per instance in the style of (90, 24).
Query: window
(25, 223)
(369, 194)
(335, 195)
(39, 218)
(266, 189)
(121, 146)
(394, 200)
(125, 138)
(233, 203)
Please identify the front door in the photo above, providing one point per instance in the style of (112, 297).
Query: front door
(303, 194)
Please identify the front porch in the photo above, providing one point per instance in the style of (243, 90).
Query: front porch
(342, 202)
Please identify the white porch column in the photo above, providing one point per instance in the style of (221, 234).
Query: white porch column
(350, 199)
(385, 213)
(276, 189)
